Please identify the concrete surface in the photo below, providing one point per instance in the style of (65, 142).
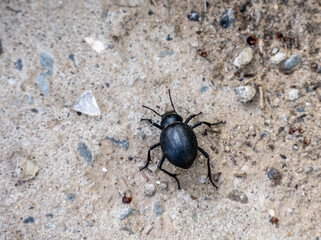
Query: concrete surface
(128, 53)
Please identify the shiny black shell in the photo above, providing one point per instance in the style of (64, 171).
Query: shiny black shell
(179, 144)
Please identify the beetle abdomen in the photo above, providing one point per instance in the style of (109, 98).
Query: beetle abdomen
(179, 144)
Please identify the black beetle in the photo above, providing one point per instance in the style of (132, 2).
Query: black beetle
(178, 141)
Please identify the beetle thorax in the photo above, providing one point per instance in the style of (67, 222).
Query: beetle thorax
(169, 118)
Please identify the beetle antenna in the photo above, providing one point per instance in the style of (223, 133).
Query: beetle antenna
(170, 98)
(151, 110)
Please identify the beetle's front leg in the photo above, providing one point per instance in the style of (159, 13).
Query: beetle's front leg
(151, 122)
(207, 124)
(191, 117)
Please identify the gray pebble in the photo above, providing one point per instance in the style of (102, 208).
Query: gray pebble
(18, 64)
(120, 143)
(308, 170)
(157, 209)
(122, 213)
(166, 53)
(85, 153)
(1, 49)
(71, 197)
(104, 14)
(227, 18)
(238, 196)
(29, 220)
(43, 83)
(301, 109)
(193, 16)
(49, 215)
(142, 136)
(204, 89)
(290, 63)
(295, 147)
(47, 62)
(274, 174)
(245, 93)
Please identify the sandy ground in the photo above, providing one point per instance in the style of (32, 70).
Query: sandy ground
(83, 168)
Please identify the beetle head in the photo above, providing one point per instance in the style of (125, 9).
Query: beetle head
(170, 117)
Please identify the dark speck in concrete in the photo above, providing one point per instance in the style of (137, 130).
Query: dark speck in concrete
(1, 49)
(85, 153)
(29, 220)
(120, 143)
(107, 84)
(130, 231)
(301, 109)
(169, 38)
(71, 197)
(72, 58)
(226, 18)
(49, 215)
(18, 64)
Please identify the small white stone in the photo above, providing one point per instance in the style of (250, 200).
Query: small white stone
(104, 169)
(87, 104)
(277, 58)
(272, 213)
(244, 58)
(293, 94)
(275, 51)
(245, 93)
(149, 190)
(96, 45)
(27, 170)
(203, 179)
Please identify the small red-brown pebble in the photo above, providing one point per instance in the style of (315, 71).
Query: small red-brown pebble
(127, 200)
(252, 40)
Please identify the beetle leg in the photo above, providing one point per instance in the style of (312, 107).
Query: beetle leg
(168, 173)
(191, 117)
(151, 122)
(208, 165)
(207, 124)
(148, 155)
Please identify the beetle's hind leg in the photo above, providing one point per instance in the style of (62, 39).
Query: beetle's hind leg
(208, 166)
(168, 173)
(148, 155)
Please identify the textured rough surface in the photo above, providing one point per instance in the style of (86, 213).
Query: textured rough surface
(135, 51)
